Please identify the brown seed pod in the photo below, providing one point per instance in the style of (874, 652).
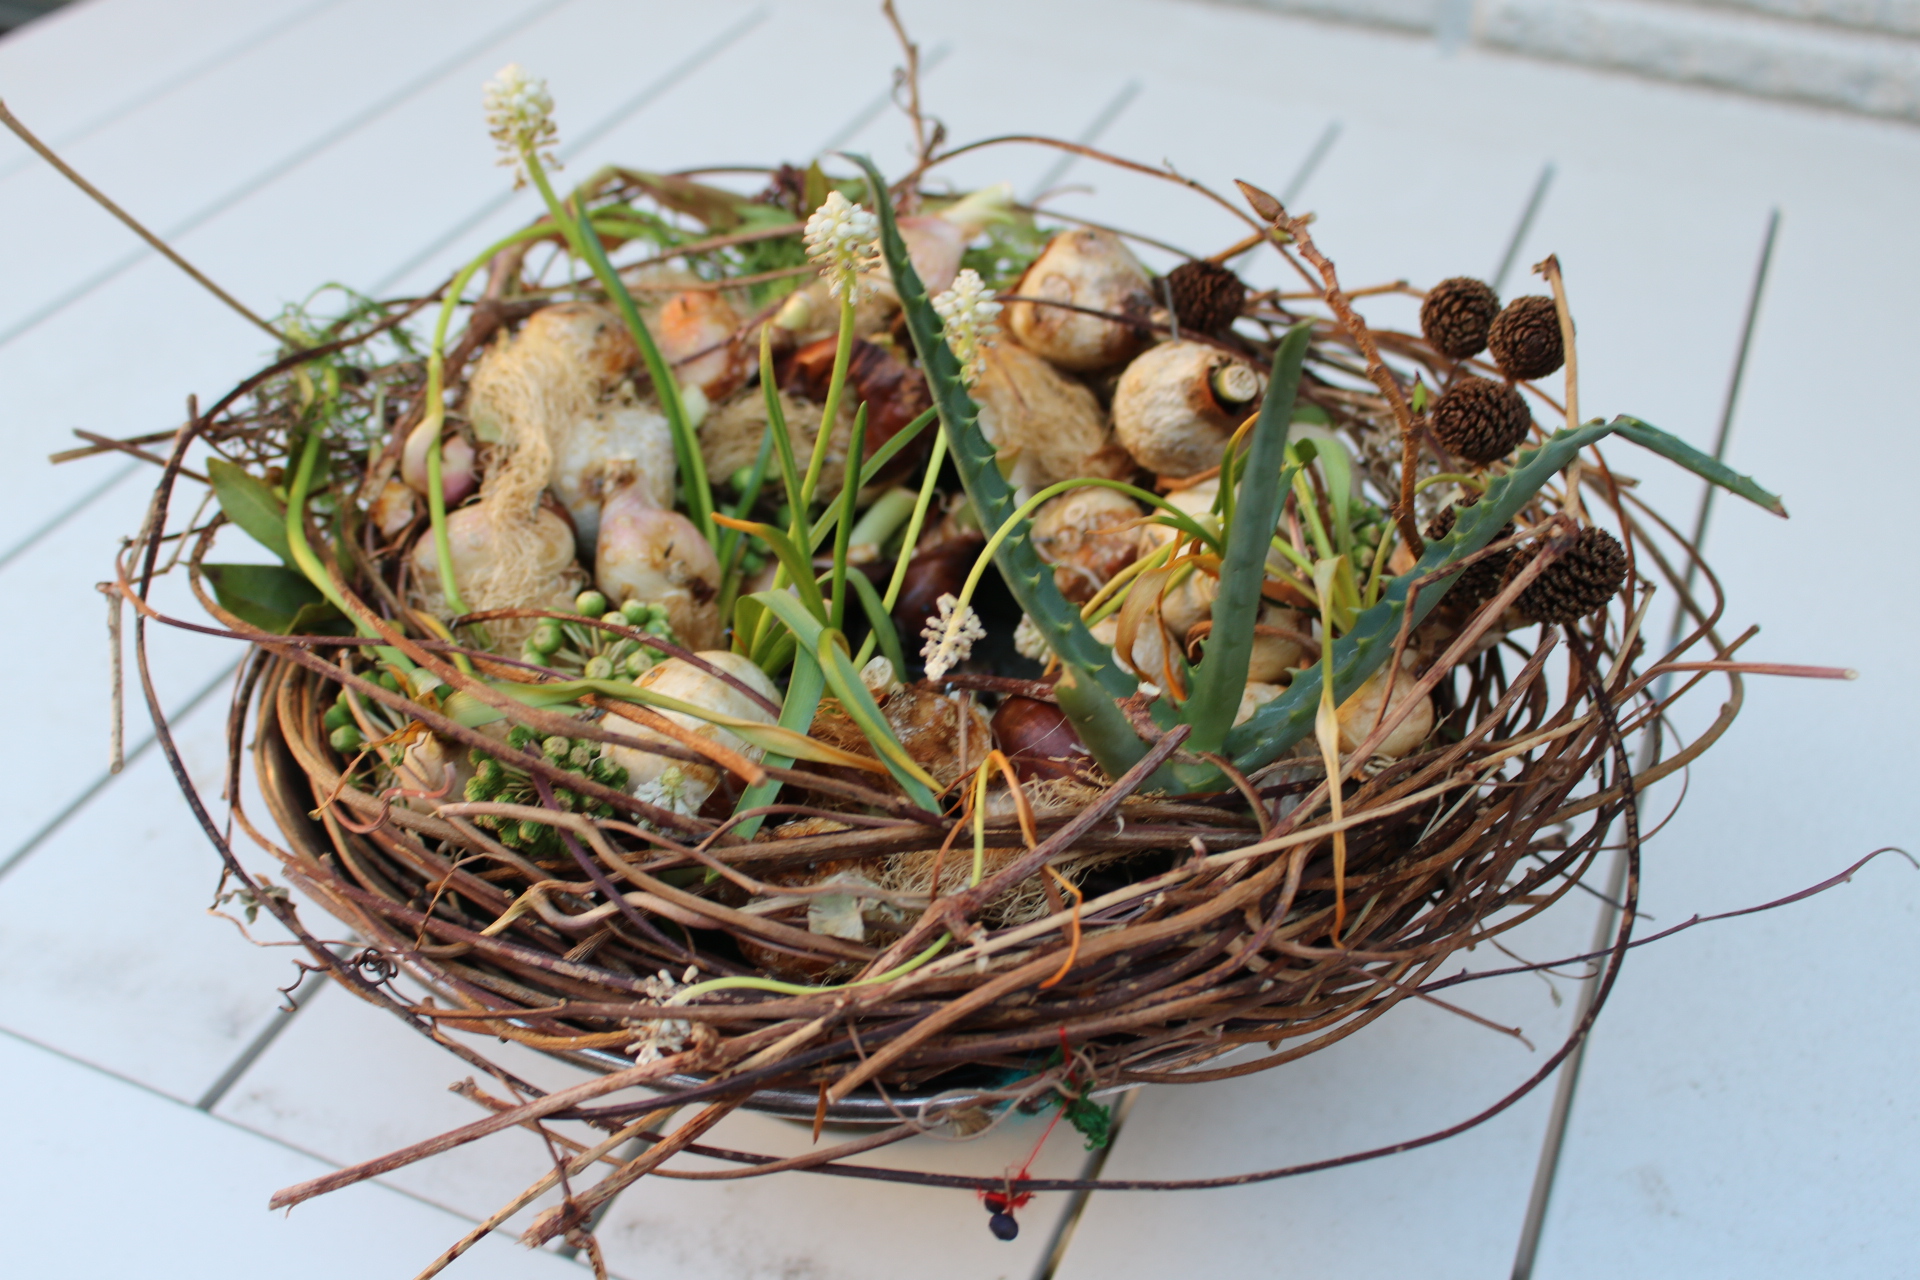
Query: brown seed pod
(1576, 584)
(1525, 339)
(1481, 420)
(1456, 315)
(1038, 739)
(1206, 296)
(1479, 581)
(939, 570)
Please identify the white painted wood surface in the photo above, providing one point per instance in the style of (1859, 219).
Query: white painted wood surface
(1743, 1107)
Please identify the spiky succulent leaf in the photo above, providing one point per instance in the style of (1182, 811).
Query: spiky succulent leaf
(1028, 577)
(1221, 677)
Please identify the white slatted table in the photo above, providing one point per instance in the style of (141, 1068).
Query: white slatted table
(1743, 1108)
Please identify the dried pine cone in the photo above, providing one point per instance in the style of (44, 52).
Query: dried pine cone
(1481, 420)
(1456, 315)
(1525, 339)
(1576, 584)
(1480, 580)
(1206, 297)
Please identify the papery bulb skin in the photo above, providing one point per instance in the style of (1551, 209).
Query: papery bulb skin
(1045, 426)
(1178, 404)
(1087, 535)
(1089, 271)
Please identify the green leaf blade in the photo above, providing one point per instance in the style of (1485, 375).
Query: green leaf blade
(1029, 578)
(1221, 678)
(246, 500)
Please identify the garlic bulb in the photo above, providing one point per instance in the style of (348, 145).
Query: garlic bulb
(730, 437)
(1086, 269)
(684, 785)
(698, 333)
(1178, 405)
(1359, 713)
(1046, 426)
(1087, 535)
(656, 556)
(604, 451)
(526, 565)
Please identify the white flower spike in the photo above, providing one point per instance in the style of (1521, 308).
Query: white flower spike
(520, 118)
(968, 308)
(840, 240)
(950, 636)
(1028, 642)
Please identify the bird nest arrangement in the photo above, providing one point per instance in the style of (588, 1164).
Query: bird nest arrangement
(880, 653)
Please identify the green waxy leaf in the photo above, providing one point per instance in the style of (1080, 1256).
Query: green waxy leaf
(1708, 468)
(1222, 675)
(1029, 578)
(246, 500)
(273, 598)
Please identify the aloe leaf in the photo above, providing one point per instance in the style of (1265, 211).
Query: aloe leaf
(246, 500)
(1282, 722)
(1109, 738)
(1027, 576)
(1708, 468)
(1222, 675)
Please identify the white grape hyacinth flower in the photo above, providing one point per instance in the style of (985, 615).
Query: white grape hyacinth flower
(950, 636)
(662, 1037)
(968, 310)
(1028, 642)
(520, 119)
(840, 239)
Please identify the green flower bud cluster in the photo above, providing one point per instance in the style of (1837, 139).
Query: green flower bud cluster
(343, 731)
(496, 781)
(594, 653)
(1369, 524)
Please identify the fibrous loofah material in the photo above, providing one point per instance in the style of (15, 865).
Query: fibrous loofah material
(1456, 315)
(1577, 583)
(1526, 340)
(1479, 581)
(1481, 420)
(1206, 296)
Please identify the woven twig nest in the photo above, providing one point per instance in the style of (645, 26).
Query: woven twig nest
(524, 805)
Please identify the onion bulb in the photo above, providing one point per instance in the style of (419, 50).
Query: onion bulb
(529, 565)
(1087, 535)
(1045, 426)
(1359, 713)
